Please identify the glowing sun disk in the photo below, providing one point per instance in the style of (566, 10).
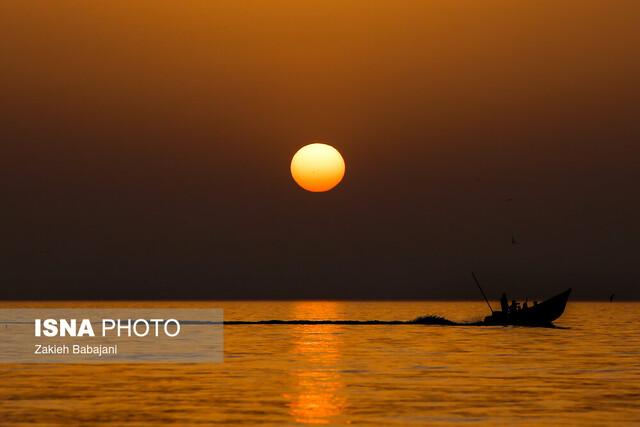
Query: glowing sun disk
(317, 167)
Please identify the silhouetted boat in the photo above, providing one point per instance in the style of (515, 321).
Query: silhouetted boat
(540, 314)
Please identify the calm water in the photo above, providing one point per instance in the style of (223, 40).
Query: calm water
(367, 375)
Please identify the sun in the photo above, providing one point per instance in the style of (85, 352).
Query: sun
(317, 167)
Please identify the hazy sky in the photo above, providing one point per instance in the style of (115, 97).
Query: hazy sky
(146, 148)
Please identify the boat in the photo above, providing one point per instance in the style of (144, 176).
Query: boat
(542, 314)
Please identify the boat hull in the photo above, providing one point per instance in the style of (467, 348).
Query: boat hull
(542, 314)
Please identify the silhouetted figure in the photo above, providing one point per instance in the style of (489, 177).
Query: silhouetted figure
(525, 305)
(611, 297)
(535, 303)
(513, 308)
(504, 303)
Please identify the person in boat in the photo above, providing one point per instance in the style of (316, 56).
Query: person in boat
(504, 303)
(514, 307)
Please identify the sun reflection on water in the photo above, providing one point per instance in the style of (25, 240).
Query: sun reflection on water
(317, 398)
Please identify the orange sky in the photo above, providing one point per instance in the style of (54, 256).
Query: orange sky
(149, 142)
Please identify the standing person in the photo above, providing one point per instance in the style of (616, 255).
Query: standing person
(514, 307)
(504, 303)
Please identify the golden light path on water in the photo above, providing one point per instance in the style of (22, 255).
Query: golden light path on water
(318, 395)
(588, 374)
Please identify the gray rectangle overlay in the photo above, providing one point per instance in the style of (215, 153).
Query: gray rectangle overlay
(113, 335)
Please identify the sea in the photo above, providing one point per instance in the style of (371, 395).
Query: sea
(584, 372)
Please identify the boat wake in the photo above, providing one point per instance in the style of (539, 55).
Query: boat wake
(434, 320)
(422, 320)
